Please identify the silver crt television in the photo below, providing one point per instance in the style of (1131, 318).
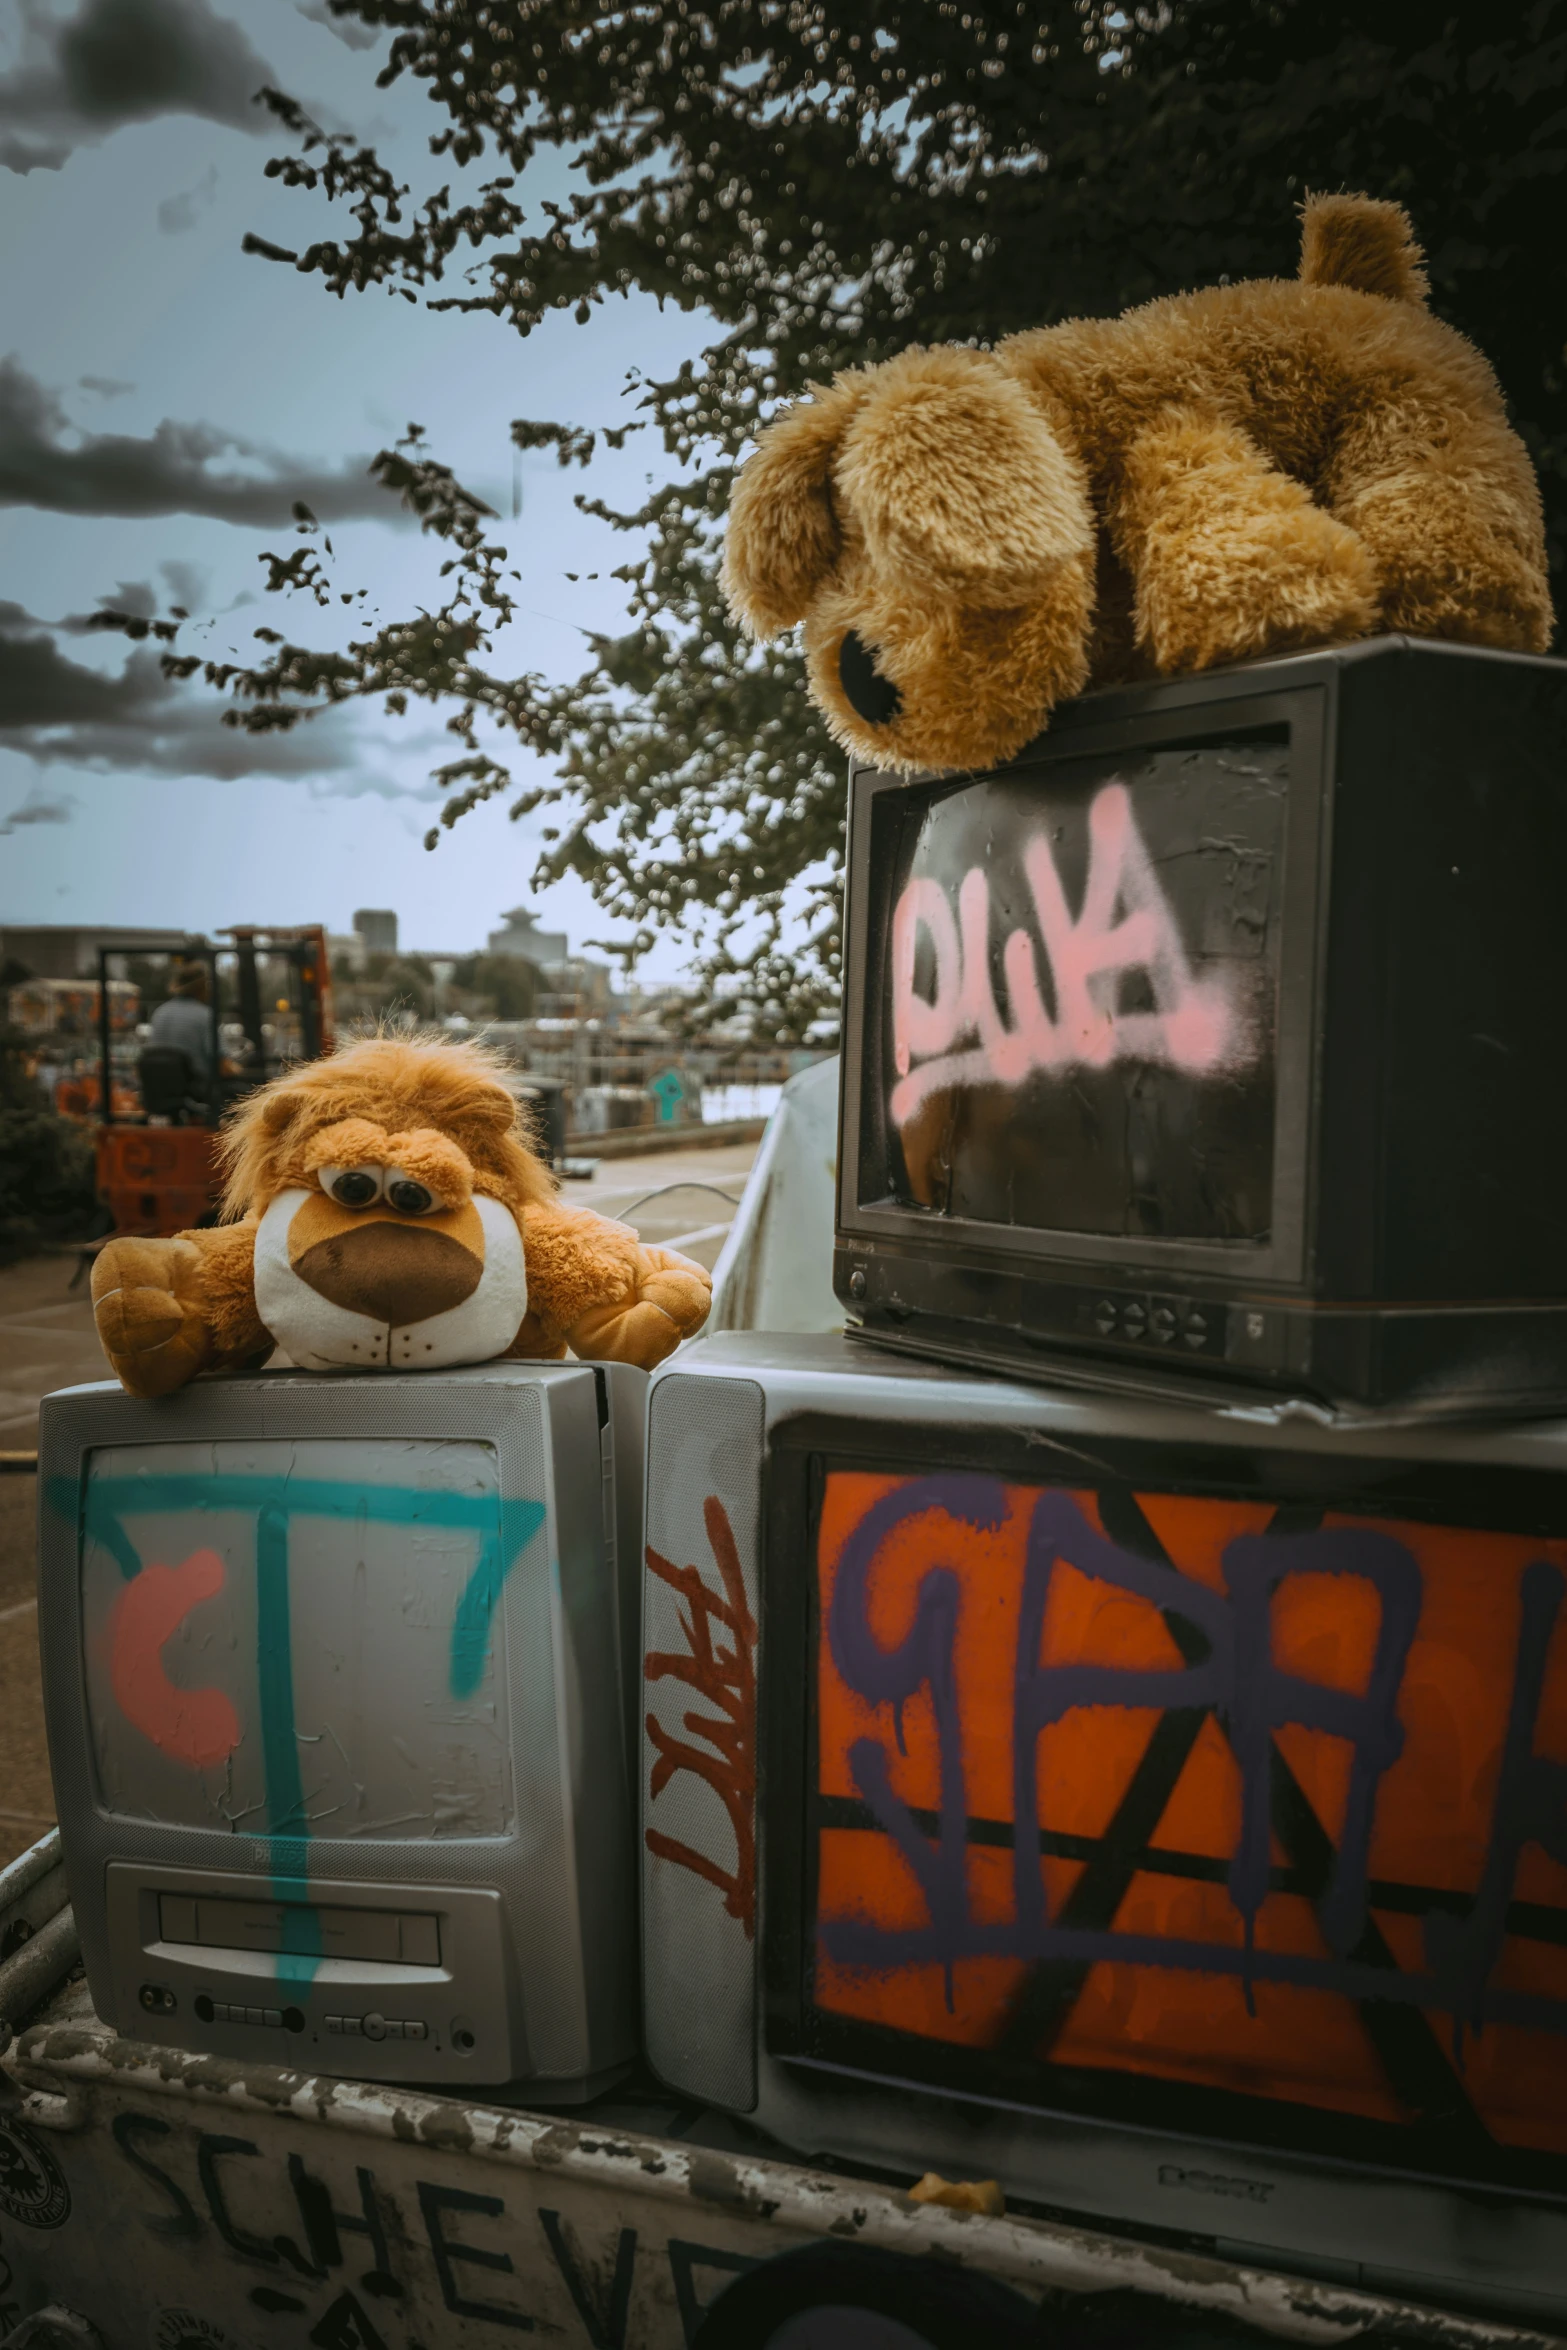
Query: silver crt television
(337, 1682)
(1158, 1806)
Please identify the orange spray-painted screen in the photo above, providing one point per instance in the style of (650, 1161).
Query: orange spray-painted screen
(1196, 1791)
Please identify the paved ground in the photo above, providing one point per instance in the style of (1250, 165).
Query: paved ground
(47, 1340)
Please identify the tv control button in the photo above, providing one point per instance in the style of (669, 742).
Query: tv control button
(414, 2032)
(1105, 1317)
(352, 2026)
(1163, 1324)
(375, 2027)
(334, 2023)
(1195, 1329)
(394, 2031)
(1135, 1320)
(274, 2016)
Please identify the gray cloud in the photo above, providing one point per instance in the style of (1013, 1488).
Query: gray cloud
(134, 596)
(170, 471)
(187, 583)
(107, 387)
(59, 712)
(350, 30)
(119, 61)
(134, 720)
(36, 810)
(178, 213)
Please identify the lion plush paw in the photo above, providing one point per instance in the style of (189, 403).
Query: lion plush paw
(668, 1303)
(149, 1302)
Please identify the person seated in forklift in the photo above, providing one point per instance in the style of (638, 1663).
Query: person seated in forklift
(183, 1022)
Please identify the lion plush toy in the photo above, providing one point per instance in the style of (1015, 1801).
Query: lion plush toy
(388, 1215)
(972, 536)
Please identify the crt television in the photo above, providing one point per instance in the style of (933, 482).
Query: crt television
(1160, 1806)
(1221, 1030)
(338, 1677)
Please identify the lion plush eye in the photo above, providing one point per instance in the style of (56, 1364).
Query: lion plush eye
(411, 1197)
(353, 1187)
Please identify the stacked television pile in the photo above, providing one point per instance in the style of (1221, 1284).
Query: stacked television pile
(1101, 1722)
(1106, 1714)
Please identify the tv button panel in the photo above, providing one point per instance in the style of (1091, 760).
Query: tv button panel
(377, 2027)
(234, 2011)
(1157, 1321)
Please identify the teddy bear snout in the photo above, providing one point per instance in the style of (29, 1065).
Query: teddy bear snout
(396, 1273)
(875, 698)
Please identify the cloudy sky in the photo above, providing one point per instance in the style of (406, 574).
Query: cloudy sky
(164, 399)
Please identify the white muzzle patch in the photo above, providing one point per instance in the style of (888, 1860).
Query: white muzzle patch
(318, 1335)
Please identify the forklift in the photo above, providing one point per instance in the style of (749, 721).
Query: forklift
(157, 1171)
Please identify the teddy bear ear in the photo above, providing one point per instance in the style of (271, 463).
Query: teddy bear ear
(783, 540)
(959, 483)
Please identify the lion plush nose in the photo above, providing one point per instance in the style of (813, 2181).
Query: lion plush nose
(395, 1273)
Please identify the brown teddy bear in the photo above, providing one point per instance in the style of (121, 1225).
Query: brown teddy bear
(390, 1216)
(972, 536)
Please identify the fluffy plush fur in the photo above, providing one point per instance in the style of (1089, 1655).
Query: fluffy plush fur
(484, 1262)
(972, 536)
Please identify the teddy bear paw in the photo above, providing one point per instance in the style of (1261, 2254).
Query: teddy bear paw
(150, 1321)
(1260, 584)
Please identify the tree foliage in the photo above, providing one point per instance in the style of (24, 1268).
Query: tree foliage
(828, 181)
(47, 1191)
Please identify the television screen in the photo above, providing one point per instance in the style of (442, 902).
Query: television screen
(1083, 1011)
(1201, 1810)
(299, 1636)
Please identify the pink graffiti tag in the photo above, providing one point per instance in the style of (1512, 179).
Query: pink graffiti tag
(197, 1727)
(725, 1677)
(958, 1036)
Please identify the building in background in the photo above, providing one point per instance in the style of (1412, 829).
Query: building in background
(521, 935)
(69, 950)
(376, 929)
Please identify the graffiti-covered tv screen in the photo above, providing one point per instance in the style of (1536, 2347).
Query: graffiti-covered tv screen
(295, 1637)
(1193, 1811)
(1079, 1006)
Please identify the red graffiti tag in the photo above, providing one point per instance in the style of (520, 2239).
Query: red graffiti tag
(725, 1677)
(197, 1727)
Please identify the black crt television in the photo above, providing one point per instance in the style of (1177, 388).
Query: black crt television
(1223, 1029)
(1158, 1806)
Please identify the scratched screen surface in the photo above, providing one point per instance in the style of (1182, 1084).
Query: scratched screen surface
(1081, 1016)
(300, 1638)
(1115, 1791)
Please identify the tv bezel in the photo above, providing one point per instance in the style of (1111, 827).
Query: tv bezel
(1192, 712)
(805, 1444)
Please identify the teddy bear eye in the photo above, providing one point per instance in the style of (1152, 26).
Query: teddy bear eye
(352, 1187)
(411, 1197)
